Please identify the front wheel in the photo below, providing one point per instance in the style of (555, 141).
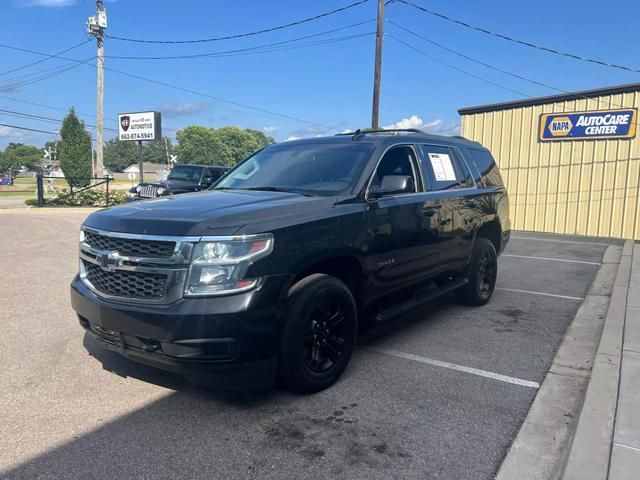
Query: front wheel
(319, 333)
(481, 272)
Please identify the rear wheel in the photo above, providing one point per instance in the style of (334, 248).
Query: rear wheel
(481, 272)
(319, 333)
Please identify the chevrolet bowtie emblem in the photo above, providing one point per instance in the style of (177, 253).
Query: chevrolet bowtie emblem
(109, 261)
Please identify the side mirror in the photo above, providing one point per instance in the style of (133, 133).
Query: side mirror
(392, 184)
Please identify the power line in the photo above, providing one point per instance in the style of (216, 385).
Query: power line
(55, 55)
(520, 42)
(60, 109)
(515, 75)
(422, 52)
(455, 52)
(265, 48)
(25, 128)
(43, 77)
(241, 35)
(213, 97)
(48, 119)
(183, 89)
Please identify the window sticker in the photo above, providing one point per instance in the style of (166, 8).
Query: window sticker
(442, 167)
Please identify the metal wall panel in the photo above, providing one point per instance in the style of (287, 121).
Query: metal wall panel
(583, 187)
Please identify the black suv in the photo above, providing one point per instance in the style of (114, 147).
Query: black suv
(268, 274)
(181, 179)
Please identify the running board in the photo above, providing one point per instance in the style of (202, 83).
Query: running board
(404, 307)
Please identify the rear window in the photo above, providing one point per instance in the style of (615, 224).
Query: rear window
(487, 169)
(443, 169)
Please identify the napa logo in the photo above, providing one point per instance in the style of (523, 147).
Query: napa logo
(560, 126)
(590, 125)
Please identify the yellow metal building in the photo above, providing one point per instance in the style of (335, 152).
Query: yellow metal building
(571, 162)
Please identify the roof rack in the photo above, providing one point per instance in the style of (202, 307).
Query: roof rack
(359, 133)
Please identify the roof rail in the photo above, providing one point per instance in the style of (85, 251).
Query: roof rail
(359, 133)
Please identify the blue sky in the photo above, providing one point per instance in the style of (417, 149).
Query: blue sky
(328, 84)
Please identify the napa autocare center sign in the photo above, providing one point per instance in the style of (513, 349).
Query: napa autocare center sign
(592, 125)
(139, 126)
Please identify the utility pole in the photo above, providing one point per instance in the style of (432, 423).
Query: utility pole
(96, 26)
(378, 67)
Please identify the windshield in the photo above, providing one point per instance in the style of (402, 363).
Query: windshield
(190, 173)
(320, 169)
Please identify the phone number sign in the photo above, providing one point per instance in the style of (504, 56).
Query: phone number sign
(139, 126)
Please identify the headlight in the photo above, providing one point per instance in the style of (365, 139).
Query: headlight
(138, 188)
(81, 235)
(218, 266)
(160, 191)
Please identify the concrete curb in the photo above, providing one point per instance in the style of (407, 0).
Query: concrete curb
(588, 455)
(539, 450)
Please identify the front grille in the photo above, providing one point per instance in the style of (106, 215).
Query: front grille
(130, 246)
(148, 191)
(121, 283)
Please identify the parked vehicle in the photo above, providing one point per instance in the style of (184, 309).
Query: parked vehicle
(6, 179)
(182, 179)
(269, 274)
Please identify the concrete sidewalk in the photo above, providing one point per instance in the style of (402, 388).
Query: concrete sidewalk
(606, 443)
(625, 451)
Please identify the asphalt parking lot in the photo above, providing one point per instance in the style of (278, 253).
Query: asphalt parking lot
(439, 394)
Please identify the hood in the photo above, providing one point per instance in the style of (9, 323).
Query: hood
(214, 212)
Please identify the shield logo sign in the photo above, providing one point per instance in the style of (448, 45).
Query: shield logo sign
(125, 121)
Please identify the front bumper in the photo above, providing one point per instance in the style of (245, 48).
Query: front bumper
(227, 342)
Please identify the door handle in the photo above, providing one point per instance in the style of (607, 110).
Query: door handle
(471, 203)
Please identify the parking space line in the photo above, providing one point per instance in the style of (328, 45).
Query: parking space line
(626, 446)
(531, 292)
(565, 260)
(459, 368)
(538, 239)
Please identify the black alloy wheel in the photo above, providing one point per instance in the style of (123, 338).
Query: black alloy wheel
(319, 333)
(326, 337)
(481, 273)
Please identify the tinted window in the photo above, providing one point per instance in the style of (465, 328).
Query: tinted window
(323, 169)
(443, 168)
(186, 172)
(486, 166)
(397, 161)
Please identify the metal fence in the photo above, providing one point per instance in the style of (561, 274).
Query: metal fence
(45, 183)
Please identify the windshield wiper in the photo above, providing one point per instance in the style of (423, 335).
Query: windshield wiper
(278, 189)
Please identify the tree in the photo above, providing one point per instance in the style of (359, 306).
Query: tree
(75, 151)
(199, 145)
(155, 151)
(119, 155)
(222, 146)
(17, 155)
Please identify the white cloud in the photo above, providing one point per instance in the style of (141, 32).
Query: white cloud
(436, 126)
(10, 133)
(292, 137)
(11, 86)
(182, 109)
(269, 130)
(47, 3)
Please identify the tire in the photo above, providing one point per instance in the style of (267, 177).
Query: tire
(481, 272)
(323, 306)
